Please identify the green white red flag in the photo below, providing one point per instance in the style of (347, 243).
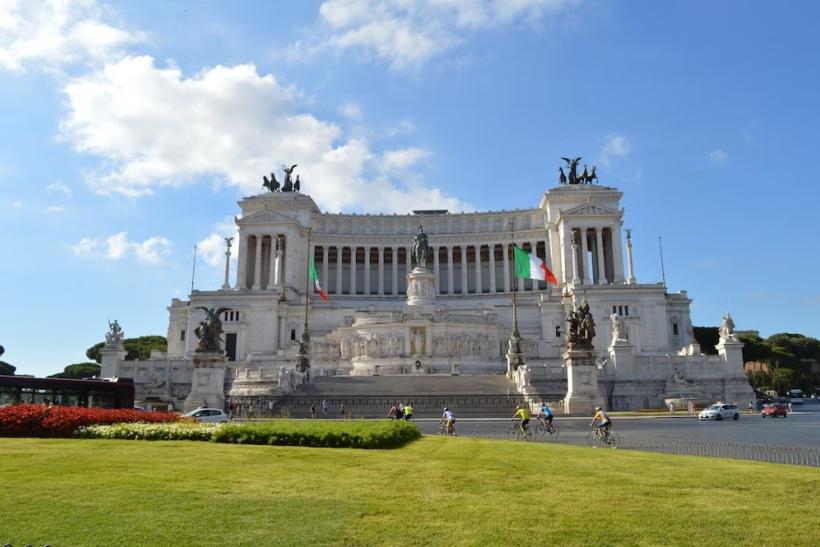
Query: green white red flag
(315, 279)
(529, 266)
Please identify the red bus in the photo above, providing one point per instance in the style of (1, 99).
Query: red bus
(117, 393)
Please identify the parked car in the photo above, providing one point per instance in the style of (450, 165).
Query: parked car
(774, 410)
(211, 415)
(720, 411)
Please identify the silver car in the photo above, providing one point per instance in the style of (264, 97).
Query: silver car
(720, 411)
(210, 415)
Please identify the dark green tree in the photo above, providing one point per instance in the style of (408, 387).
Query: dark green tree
(708, 338)
(7, 369)
(137, 348)
(79, 370)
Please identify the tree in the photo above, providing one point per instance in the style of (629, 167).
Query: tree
(7, 369)
(79, 370)
(708, 338)
(137, 348)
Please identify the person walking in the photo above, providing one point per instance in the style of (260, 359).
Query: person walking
(408, 412)
(313, 411)
(341, 410)
(324, 407)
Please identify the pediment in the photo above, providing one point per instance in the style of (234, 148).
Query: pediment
(266, 217)
(590, 209)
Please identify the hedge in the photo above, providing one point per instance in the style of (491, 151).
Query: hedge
(178, 431)
(61, 421)
(344, 434)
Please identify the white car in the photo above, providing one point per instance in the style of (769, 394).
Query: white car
(211, 415)
(720, 411)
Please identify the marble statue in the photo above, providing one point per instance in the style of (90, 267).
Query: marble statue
(727, 327)
(619, 329)
(114, 336)
(209, 331)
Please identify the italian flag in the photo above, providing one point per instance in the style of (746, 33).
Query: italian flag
(529, 266)
(315, 279)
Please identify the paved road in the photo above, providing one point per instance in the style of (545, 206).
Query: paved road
(801, 428)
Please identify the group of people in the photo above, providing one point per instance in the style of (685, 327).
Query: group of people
(401, 412)
(600, 420)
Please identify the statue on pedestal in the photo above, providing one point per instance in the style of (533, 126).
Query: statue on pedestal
(581, 329)
(420, 248)
(619, 330)
(209, 331)
(727, 327)
(114, 336)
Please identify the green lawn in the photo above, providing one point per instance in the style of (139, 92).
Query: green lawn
(433, 491)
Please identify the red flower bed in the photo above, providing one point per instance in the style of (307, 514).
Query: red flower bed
(62, 421)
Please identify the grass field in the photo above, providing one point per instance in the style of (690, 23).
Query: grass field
(435, 491)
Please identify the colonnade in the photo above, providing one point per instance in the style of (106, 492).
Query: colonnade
(261, 262)
(598, 253)
(458, 268)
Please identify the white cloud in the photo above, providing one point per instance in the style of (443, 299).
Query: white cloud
(153, 127)
(398, 161)
(59, 188)
(351, 111)
(212, 248)
(616, 146)
(118, 246)
(407, 34)
(404, 127)
(55, 209)
(718, 157)
(52, 33)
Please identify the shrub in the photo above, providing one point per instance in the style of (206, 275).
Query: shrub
(178, 431)
(62, 421)
(347, 434)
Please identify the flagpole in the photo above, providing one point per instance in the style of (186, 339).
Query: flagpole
(514, 358)
(512, 272)
(303, 363)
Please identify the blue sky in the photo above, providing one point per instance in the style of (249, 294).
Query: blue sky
(128, 131)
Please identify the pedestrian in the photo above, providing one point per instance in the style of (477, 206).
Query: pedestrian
(341, 410)
(671, 406)
(324, 407)
(270, 408)
(408, 412)
(691, 407)
(149, 407)
(790, 407)
(230, 410)
(313, 411)
(751, 408)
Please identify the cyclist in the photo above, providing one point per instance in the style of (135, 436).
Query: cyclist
(408, 412)
(545, 416)
(521, 413)
(604, 423)
(450, 419)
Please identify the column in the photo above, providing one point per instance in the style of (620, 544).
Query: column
(226, 285)
(507, 287)
(339, 251)
(273, 263)
(584, 256)
(257, 269)
(380, 250)
(367, 270)
(464, 269)
(325, 258)
(478, 280)
(436, 269)
(280, 262)
(601, 266)
(241, 265)
(491, 249)
(631, 271)
(617, 255)
(353, 251)
(450, 269)
(534, 284)
(575, 279)
(408, 257)
(395, 278)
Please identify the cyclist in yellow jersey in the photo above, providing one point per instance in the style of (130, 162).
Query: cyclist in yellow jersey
(521, 413)
(604, 423)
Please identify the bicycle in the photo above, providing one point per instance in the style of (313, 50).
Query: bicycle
(514, 432)
(604, 439)
(443, 431)
(543, 430)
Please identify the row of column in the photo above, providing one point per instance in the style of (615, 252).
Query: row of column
(597, 256)
(343, 271)
(262, 262)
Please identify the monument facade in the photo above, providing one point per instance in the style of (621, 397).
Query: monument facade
(430, 292)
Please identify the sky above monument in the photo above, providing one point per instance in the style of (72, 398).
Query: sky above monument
(129, 130)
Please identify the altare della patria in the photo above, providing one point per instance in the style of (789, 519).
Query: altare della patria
(427, 306)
